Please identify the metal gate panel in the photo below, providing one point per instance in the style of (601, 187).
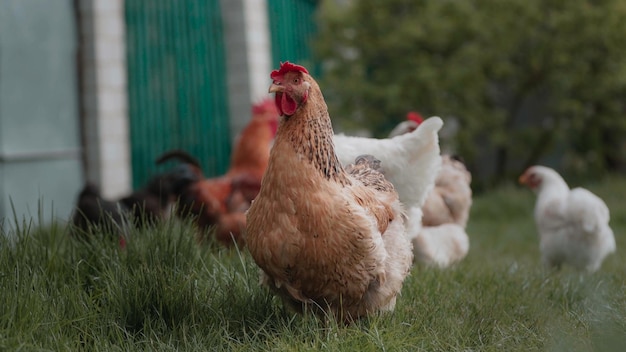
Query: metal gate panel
(177, 86)
(292, 26)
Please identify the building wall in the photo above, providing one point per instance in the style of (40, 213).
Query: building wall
(40, 156)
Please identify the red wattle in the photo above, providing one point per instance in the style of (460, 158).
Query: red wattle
(287, 105)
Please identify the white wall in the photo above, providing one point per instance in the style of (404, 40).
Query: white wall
(248, 52)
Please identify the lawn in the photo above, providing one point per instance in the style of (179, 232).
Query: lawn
(165, 292)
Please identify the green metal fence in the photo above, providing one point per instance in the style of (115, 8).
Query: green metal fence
(177, 86)
(292, 27)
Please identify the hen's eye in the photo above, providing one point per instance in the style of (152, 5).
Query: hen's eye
(296, 80)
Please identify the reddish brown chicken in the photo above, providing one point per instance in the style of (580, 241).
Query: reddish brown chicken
(327, 238)
(222, 201)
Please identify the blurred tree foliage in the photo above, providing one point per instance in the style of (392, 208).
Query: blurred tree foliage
(530, 81)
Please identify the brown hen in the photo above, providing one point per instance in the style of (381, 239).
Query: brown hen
(327, 238)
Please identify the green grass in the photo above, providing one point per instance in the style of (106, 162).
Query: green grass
(165, 292)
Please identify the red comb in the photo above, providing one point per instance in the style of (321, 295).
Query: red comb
(265, 105)
(415, 117)
(287, 67)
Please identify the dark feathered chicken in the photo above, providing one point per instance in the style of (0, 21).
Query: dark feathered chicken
(94, 214)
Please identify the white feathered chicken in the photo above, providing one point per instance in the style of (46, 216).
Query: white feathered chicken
(573, 225)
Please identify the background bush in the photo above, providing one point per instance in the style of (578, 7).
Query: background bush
(529, 81)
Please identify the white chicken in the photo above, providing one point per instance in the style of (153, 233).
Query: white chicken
(573, 225)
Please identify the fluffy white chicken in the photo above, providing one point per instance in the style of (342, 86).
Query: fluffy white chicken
(573, 225)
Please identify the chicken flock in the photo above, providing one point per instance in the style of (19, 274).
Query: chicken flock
(334, 222)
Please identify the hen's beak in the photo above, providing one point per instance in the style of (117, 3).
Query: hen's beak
(276, 88)
(523, 179)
